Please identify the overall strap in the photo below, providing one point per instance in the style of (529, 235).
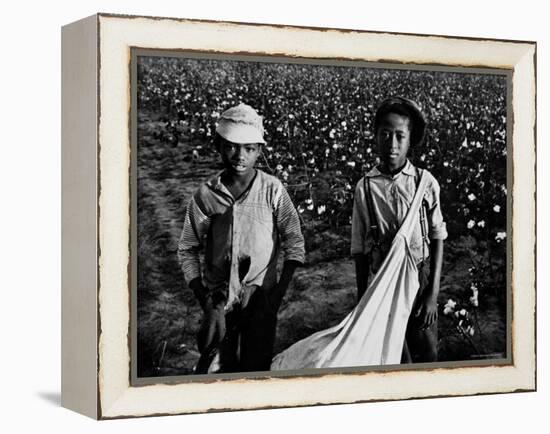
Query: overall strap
(374, 227)
(423, 217)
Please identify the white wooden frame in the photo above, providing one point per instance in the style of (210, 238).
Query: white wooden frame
(95, 212)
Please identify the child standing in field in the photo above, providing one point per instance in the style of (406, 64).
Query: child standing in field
(382, 200)
(242, 218)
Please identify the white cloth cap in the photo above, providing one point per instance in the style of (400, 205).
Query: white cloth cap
(241, 124)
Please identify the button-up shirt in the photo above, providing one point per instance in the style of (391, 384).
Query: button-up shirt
(391, 199)
(241, 236)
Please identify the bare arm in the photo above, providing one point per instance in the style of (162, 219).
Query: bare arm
(436, 262)
(427, 309)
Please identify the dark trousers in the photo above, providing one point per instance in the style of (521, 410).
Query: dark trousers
(420, 344)
(249, 338)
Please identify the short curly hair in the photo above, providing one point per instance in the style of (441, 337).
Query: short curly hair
(404, 107)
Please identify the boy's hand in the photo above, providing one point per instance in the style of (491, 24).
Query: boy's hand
(426, 312)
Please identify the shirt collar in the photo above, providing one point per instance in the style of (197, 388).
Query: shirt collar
(407, 170)
(216, 185)
(215, 182)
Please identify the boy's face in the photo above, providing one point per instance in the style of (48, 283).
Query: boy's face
(239, 159)
(393, 137)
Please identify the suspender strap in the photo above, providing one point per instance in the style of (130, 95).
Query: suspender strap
(374, 227)
(423, 218)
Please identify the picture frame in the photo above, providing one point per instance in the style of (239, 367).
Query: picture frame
(96, 244)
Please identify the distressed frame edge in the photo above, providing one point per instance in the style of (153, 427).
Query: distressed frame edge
(136, 381)
(529, 383)
(304, 27)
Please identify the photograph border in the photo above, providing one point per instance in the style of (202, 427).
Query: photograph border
(133, 329)
(114, 396)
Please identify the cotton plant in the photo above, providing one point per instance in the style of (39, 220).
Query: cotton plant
(463, 312)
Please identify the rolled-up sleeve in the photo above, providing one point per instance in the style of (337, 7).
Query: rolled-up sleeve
(437, 226)
(359, 221)
(288, 226)
(195, 226)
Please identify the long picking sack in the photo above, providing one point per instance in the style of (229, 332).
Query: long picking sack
(374, 331)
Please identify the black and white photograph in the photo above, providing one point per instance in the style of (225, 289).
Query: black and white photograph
(278, 217)
(296, 215)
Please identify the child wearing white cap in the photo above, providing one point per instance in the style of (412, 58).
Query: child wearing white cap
(242, 218)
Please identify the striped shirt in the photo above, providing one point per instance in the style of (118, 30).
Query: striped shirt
(391, 199)
(241, 237)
